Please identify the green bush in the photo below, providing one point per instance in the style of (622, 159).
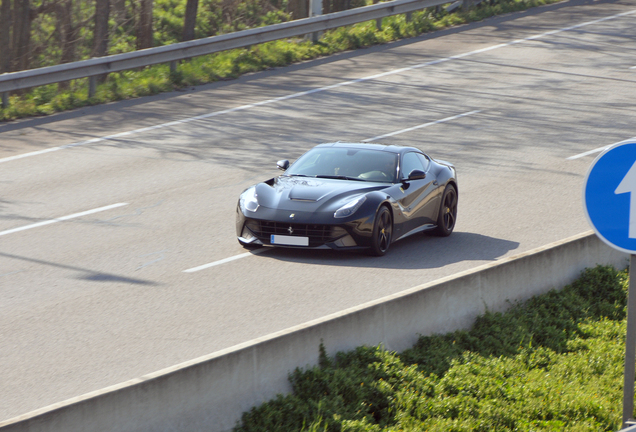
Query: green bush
(552, 363)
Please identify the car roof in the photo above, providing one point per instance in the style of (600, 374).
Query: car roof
(369, 146)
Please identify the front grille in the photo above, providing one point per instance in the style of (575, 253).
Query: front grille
(318, 234)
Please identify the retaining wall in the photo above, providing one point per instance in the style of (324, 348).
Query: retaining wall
(210, 393)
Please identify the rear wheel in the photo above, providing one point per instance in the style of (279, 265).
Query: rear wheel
(447, 212)
(382, 232)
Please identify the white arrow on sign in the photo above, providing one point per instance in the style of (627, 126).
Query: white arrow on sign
(628, 185)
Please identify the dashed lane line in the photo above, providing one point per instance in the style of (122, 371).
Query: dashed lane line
(61, 219)
(600, 149)
(444, 120)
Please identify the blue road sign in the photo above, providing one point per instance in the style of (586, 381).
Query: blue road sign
(609, 196)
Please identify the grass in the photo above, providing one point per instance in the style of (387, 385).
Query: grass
(231, 64)
(553, 363)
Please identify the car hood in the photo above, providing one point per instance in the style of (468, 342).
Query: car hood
(311, 194)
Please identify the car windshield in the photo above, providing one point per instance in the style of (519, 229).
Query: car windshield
(347, 163)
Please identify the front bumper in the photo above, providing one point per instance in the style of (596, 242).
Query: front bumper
(354, 234)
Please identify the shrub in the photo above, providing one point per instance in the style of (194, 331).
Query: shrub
(552, 363)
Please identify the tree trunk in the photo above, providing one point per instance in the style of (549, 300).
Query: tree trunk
(66, 32)
(21, 34)
(190, 19)
(119, 11)
(144, 25)
(5, 36)
(338, 5)
(100, 37)
(298, 8)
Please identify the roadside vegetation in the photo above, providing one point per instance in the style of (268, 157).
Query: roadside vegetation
(552, 363)
(213, 17)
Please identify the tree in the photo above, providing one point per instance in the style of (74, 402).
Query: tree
(66, 31)
(5, 36)
(298, 8)
(119, 12)
(21, 34)
(100, 36)
(190, 19)
(144, 25)
(23, 16)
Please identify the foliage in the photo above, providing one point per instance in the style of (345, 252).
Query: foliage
(213, 17)
(553, 363)
(45, 34)
(217, 16)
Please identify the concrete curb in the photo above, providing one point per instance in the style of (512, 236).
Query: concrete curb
(210, 393)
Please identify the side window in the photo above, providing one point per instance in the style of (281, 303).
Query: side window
(410, 162)
(425, 161)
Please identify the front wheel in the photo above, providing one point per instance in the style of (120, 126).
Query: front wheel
(447, 212)
(382, 232)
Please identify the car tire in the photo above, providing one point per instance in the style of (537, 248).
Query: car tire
(447, 216)
(382, 232)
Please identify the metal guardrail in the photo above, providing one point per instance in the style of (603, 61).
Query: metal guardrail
(184, 50)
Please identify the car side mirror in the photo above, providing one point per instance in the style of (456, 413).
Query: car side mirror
(417, 175)
(282, 164)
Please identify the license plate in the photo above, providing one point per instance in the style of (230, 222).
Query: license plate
(289, 240)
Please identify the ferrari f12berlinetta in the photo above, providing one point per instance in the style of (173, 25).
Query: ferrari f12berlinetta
(350, 196)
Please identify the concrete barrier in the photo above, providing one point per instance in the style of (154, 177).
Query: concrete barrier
(210, 393)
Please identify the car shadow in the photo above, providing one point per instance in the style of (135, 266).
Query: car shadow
(420, 251)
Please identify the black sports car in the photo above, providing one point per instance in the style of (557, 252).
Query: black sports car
(350, 196)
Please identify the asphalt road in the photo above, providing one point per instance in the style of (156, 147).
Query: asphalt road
(104, 209)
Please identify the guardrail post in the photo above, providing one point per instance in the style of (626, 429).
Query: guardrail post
(173, 66)
(315, 9)
(378, 24)
(409, 16)
(92, 86)
(5, 100)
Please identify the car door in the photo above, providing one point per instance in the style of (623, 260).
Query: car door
(419, 200)
(434, 193)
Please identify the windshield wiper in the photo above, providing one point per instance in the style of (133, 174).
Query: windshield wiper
(340, 177)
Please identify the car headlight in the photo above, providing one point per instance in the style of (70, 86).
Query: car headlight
(350, 208)
(248, 200)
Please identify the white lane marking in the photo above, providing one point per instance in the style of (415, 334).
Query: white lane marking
(587, 153)
(316, 90)
(10, 273)
(162, 257)
(61, 219)
(444, 120)
(226, 260)
(35, 153)
(600, 149)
